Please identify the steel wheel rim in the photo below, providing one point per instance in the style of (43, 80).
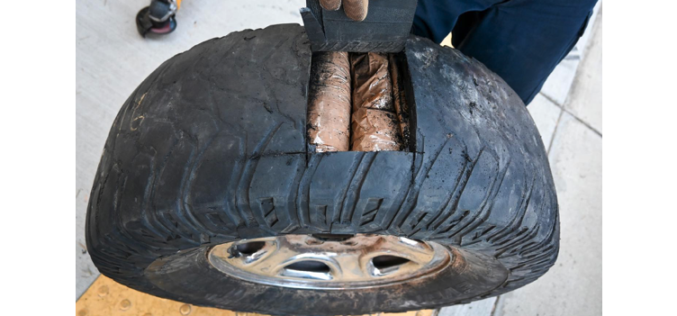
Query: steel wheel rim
(316, 262)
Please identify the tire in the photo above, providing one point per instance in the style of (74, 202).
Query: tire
(211, 148)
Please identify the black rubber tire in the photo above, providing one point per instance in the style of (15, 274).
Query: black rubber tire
(211, 148)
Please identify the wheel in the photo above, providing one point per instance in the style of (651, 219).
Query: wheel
(165, 27)
(208, 192)
(145, 25)
(143, 22)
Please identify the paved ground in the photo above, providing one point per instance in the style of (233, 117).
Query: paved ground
(112, 60)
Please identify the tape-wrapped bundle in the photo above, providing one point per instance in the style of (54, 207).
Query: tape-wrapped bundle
(329, 105)
(374, 121)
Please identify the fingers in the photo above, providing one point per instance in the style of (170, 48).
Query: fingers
(331, 5)
(356, 9)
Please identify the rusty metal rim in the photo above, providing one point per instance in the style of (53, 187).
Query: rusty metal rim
(314, 262)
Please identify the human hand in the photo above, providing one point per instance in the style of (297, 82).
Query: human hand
(354, 9)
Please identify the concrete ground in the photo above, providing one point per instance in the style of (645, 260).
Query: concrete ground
(112, 60)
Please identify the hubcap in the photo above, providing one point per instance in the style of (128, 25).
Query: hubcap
(329, 261)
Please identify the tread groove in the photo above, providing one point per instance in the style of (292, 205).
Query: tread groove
(450, 209)
(248, 175)
(485, 206)
(411, 198)
(354, 167)
(303, 205)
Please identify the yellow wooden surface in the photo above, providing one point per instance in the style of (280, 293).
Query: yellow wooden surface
(108, 298)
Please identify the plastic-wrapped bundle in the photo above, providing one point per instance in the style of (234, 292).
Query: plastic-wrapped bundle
(374, 122)
(329, 105)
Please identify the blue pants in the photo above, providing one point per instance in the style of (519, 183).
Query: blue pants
(520, 40)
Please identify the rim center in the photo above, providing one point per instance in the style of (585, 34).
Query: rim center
(329, 261)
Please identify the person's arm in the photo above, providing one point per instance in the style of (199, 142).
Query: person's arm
(354, 9)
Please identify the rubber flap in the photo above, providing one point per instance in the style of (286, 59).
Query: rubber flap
(385, 29)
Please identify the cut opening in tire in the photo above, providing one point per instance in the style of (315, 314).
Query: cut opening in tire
(360, 102)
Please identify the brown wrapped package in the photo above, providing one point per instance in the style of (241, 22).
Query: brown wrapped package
(329, 102)
(374, 130)
(400, 101)
(374, 123)
(372, 86)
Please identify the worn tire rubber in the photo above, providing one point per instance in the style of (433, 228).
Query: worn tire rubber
(212, 148)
